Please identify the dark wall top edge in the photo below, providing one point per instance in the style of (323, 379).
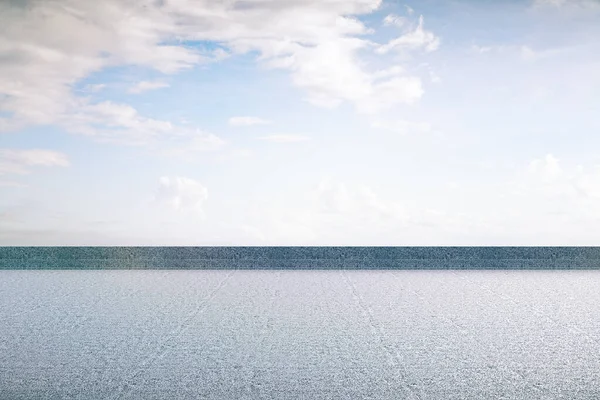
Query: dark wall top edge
(298, 253)
(323, 264)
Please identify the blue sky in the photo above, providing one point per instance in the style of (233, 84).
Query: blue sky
(327, 122)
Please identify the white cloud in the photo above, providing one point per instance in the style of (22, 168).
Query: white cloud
(396, 70)
(551, 178)
(16, 161)
(585, 5)
(391, 92)
(328, 71)
(339, 198)
(182, 194)
(42, 59)
(285, 138)
(545, 203)
(117, 120)
(419, 38)
(247, 121)
(525, 52)
(120, 123)
(316, 40)
(144, 86)
(331, 213)
(393, 19)
(409, 10)
(547, 168)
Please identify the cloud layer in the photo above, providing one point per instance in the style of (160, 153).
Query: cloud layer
(182, 194)
(260, 99)
(17, 161)
(247, 121)
(318, 42)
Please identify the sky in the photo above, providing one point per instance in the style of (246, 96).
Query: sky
(299, 122)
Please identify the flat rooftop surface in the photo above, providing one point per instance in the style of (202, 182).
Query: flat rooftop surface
(241, 334)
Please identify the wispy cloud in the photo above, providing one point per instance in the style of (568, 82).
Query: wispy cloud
(17, 161)
(121, 123)
(587, 5)
(397, 20)
(418, 38)
(322, 58)
(248, 121)
(144, 86)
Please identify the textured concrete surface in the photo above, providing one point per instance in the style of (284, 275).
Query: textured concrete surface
(299, 334)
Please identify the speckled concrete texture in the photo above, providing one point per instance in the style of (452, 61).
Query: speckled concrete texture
(339, 334)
